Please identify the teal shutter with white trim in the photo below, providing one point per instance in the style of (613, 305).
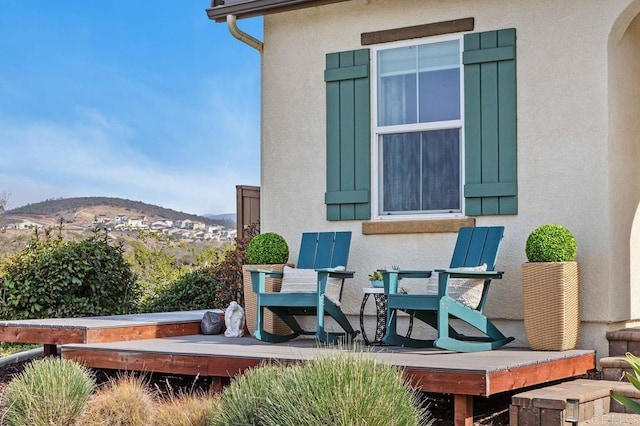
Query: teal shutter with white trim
(491, 186)
(348, 135)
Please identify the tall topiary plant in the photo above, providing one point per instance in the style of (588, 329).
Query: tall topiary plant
(268, 251)
(550, 289)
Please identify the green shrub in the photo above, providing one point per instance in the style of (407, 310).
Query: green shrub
(53, 278)
(48, 392)
(125, 401)
(343, 390)
(196, 290)
(551, 243)
(269, 248)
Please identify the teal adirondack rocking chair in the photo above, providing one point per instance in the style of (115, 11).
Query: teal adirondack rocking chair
(323, 252)
(475, 246)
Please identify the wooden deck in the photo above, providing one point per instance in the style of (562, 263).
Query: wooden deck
(58, 331)
(129, 343)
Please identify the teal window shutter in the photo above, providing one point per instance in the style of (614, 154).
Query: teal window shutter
(490, 123)
(348, 195)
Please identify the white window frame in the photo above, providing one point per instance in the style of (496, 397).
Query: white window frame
(378, 131)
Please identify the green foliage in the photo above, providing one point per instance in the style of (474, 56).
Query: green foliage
(375, 276)
(342, 390)
(159, 262)
(229, 271)
(196, 290)
(634, 379)
(551, 243)
(269, 248)
(53, 278)
(48, 392)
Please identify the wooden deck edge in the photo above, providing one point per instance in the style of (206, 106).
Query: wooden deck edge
(141, 332)
(47, 335)
(535, 374)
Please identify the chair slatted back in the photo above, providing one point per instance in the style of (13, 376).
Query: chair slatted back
(477, 245)
(324, 250)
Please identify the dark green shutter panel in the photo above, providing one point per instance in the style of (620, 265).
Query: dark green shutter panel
(348, 136)
(490, 123)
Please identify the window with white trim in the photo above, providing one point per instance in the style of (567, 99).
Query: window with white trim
(418, 133)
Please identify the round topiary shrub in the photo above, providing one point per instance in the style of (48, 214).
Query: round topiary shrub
(551, 243)
(267, 249)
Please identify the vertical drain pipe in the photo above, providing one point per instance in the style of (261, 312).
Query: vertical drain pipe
(241, 35)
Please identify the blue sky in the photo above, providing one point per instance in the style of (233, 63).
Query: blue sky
(149, 101)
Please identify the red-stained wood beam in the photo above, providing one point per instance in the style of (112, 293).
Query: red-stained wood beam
(45, 336)
(463, 410)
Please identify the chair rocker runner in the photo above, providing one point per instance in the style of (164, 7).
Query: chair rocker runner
(326, 253)
(475, 248)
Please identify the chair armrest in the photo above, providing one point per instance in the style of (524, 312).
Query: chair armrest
(336, 272)
(391, 277)
(266, 272)
(457, 273)
(407, 273)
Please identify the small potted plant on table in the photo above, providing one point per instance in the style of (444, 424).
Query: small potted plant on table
(550, 289)
(376, 279)
(267, 251)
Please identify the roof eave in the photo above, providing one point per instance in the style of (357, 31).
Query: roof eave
(251, 8)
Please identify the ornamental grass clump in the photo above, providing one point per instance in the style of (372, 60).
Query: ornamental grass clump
(634, 379)
(551, 243)
(341, 390)
(267, 249)
(124, 401)
(185, 409)
(48, 392)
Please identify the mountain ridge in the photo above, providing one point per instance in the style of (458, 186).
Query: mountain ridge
(63, 207)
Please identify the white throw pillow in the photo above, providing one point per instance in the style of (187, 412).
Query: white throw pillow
(465, 290)
(296, 280)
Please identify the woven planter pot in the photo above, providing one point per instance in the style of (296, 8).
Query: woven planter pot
(550, 294)
(272, 323)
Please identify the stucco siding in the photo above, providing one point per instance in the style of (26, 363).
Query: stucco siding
(564, 155)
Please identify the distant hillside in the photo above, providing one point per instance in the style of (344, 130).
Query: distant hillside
(227, 217)
(65, 206)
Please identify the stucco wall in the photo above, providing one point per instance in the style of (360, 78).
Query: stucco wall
(563, 133)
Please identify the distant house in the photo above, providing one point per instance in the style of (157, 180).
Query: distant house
(137, 223)
(403, 120)
(121, 218)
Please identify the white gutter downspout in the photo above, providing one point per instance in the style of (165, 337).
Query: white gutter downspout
(241, 35)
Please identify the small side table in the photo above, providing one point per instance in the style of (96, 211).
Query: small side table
(381, 315)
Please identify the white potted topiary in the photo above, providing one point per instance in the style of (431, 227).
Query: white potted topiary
(550, 289)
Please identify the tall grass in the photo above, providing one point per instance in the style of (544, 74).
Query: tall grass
(185, 409)
(348, 389)
(125, 401)
(48, 392)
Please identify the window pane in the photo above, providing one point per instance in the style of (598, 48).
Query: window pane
(419, 84)
(441, 170)
(401, 172)
(439, 95)
(421, 172)
(398, 100)
(439, 81)
(397, 90)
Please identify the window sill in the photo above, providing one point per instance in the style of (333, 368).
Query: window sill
(426, 226)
